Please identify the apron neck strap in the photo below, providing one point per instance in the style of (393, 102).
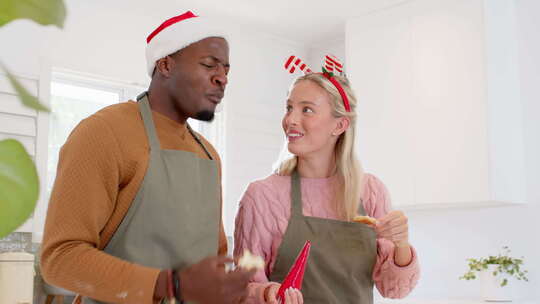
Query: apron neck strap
(296, 194)
(149, 126)
(199, 141)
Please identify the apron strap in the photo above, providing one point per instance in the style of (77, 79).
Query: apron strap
(296, 194)
(361, 209)
(146, 113)
(199, 141)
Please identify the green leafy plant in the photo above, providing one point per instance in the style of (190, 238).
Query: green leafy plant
(19, 182)
(505, 264)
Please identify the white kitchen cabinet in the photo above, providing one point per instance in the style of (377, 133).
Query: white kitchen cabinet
(439, 109)
(16, 277)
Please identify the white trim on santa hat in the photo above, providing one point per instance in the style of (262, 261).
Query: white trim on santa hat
(178, 36)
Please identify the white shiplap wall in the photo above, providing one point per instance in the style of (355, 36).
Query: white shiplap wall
(29, 127)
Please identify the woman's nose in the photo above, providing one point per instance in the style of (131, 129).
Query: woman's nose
(291, 119)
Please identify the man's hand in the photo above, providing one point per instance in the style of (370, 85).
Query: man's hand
(207, 282)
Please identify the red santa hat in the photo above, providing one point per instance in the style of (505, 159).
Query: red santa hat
(175, 34)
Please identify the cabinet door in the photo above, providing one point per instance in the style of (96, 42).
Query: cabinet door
(379, 65)
(419, 73)
(449, 101)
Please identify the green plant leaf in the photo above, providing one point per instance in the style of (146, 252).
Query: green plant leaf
(19, 186)
(26, 98)
(44, 12)
(504, 264)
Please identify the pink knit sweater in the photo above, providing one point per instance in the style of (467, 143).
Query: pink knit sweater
(264, 214)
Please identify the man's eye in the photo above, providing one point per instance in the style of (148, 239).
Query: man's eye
(207, 65)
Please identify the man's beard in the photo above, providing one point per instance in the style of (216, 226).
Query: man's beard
(205, 115)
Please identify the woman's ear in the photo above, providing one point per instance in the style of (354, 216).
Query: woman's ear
(342, 125)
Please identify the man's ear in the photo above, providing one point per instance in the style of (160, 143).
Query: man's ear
(164, 66)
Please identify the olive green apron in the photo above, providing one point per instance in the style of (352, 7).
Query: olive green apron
(174, 220)
(340, 265)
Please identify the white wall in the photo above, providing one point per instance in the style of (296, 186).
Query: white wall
(446, 238)
(110, 45)
(98, 40)
(528, 16)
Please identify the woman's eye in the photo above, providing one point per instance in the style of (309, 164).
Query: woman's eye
(288, 108)
(308, 110)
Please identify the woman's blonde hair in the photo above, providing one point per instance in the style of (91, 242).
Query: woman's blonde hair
(349, 171)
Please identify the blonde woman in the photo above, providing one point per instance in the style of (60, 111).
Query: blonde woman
(314, 196)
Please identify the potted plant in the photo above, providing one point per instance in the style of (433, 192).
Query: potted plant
(495, 273)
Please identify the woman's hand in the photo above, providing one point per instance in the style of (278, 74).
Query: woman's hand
(394, 227)
(292, 296)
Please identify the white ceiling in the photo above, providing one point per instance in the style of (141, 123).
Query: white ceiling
(310, 22)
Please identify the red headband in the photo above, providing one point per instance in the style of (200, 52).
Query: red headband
(331, 63)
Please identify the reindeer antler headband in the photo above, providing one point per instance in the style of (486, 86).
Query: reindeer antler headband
(331, 63)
